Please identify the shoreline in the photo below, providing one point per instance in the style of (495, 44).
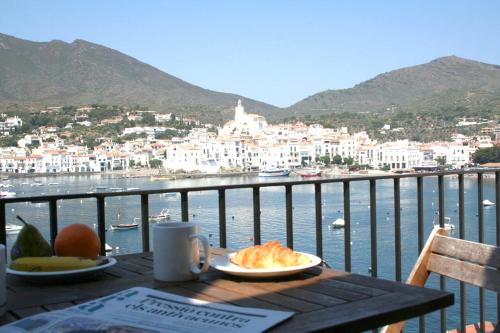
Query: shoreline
(155, 175)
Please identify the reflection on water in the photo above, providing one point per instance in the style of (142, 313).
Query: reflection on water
(203, 208)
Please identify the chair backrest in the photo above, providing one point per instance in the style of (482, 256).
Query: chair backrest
(470, 262)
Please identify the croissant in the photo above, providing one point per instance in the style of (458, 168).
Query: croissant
(269, 255)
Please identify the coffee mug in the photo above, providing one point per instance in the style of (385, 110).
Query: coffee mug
(176, 252)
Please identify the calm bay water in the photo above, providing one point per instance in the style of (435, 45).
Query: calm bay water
(203, 208)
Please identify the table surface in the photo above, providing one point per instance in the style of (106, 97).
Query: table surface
(322, 298)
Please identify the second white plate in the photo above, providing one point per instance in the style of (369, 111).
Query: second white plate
(224, 264)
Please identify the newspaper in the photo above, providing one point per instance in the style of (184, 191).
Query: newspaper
(147, 310)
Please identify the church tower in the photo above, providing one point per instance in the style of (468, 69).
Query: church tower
(239, 113)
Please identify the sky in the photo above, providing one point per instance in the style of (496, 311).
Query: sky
(275, 51)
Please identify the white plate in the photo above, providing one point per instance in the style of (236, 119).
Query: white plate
(74, 273)
(224, 264)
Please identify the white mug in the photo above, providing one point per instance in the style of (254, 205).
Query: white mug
(176, 254)
(3, 286)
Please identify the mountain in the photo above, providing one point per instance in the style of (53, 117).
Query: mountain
(59, 73)
(447, 82)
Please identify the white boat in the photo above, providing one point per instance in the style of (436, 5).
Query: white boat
(7, 194)
(124, 226)
(488, 203)
(337, 224)
(309, 172)
(100, 187)
(133, 188)
(116, 189)
(274, 172)
(107, 248)
(448, 226)
(53, 184)
(163, 215)
(12, 229)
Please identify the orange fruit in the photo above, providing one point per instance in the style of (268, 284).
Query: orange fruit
(77, 240)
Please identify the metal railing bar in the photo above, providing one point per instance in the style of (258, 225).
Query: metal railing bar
(3, 222)
(289, 216)
(101, 223)
(442, 280)
(420, 232)
(347, 226)
(480, 233)
(46, 198)
(145, 222)
(53, 222)
(397, 228)
(461, 235)
(256, 216)
(222, 219)
(319, 220)
(373, 226)
(184, 206)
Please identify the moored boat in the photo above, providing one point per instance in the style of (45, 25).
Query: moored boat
(274, 172)
(7, 194)
(337, 224)
(488, 203)
(124, 226)
(309, 172)
(12, 229)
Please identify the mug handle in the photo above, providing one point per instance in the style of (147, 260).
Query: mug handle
(206, 248)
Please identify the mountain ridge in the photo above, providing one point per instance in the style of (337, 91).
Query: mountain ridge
(82, 72)
(449, 81)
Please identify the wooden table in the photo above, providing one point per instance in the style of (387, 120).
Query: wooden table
(323, 299)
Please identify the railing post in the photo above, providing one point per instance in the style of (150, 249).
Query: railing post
(461, 234)
(373, 226)
(184, 206)
(222, 218)
(480, 233)
(319, 222)
(397, 227)
(347, 226)
(420, 218)
(289, 216)
(442, 281)
(256, 216)
(53, 222)
(101, 223)
(3, 233)
(145, 222)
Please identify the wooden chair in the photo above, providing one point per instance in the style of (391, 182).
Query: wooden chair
(470, 262)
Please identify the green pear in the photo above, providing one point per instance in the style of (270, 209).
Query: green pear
(30, 243)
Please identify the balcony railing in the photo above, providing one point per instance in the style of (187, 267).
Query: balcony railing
(52, 201)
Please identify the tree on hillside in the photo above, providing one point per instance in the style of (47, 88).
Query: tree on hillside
(486, 155)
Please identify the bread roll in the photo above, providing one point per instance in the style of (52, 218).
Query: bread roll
(269, 255)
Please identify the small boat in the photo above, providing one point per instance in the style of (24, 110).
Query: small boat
(107, 248)
(163, 215)
(274, 172)
(12, 229)
(7, 194)
(124, 226)
(448, 226)
(52, 184)
(337, 224)
(100, 188)
(310, 172)
(488, 203)
(116, 189)
(133, 188)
